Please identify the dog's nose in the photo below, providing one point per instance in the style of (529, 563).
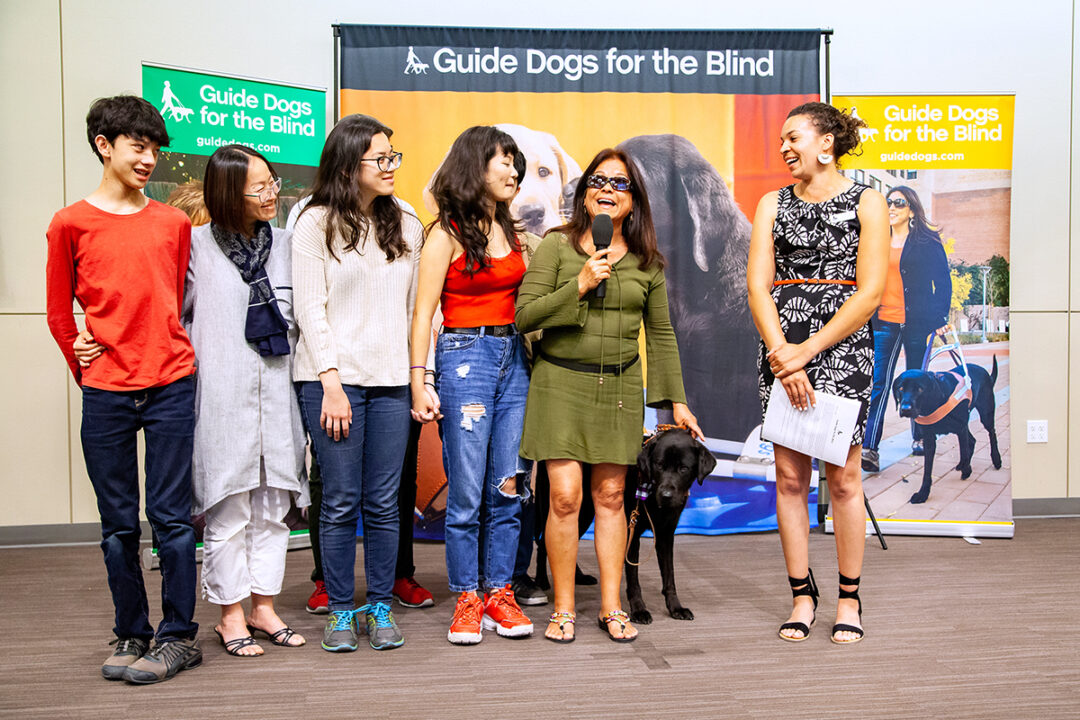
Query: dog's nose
(532, 214)
(904, 409)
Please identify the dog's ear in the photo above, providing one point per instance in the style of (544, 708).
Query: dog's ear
(706, 462)
(897, 389)
(644, 461)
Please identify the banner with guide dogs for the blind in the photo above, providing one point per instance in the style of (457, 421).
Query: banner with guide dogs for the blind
(936, 455)
(700, 113)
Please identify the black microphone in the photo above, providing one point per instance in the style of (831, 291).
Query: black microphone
(602, 230)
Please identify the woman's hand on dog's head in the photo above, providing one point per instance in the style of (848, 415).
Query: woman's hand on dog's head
(684, 418)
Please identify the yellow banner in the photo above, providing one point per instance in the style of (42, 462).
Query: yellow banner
(963, 132)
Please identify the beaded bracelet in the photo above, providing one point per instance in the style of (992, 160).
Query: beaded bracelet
(431, 384)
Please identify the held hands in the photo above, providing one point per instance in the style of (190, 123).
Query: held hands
(597, 268)
(788, 358)
(425, 403)
(684, 418)
(336, 415)
(799, 390)
(86, 350)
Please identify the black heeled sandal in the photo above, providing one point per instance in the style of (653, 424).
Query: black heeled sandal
(800, 587)
(849, 595)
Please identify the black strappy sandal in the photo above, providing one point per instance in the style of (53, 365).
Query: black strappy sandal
(800, 587)
(280, 638)
(234, 646)
(849, 595)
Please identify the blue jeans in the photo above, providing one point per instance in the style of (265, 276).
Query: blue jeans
(889, 338)
(482, 382)
(360, 474)
(111, 421)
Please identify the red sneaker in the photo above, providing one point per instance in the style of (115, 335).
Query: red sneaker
(410, 594)
(465, 628)
(502, 614)
(319, 602)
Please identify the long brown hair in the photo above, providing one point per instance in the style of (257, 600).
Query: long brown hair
(338, 190)
(461, 194)
(637, 227)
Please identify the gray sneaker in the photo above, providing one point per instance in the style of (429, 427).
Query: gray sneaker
(163, 661)
(383, 632)
(527, 592)
(340, 632)
(871, 460)
(127, 651)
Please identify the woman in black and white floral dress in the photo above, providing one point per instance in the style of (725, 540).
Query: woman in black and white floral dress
(819, 252)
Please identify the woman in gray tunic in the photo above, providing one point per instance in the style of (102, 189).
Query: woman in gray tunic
(249, 442)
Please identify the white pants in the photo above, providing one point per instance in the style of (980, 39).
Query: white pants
(244, 545)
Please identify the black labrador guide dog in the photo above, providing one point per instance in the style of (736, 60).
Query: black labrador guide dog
(666, 467)
(919, 393)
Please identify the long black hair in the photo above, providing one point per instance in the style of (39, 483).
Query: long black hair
(461, 194)
(337, 188)
(920, 227)
(637, 227)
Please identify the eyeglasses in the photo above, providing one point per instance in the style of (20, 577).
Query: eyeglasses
(386, 163)
(897, 202)
(618, 184)
(267, 191)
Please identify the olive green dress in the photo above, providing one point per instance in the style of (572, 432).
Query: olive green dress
(589, 416)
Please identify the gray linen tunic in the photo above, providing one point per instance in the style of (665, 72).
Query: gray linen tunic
(245, 405)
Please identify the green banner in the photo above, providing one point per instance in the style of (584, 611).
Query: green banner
(204, 111)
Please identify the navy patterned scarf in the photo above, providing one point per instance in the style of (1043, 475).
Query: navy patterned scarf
(266, 328)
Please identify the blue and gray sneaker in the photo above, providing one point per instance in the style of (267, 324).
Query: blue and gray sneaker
(383, 632)
(340, 634)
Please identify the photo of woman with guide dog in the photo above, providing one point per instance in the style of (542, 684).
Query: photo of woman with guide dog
(815, 274)
(586, 401)
(472, 264)
(915, 303)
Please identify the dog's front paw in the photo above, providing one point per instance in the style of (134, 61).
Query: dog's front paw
(919, 498)
(641, 617)
(682, 613)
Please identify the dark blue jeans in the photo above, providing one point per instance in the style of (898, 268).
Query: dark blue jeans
(482, 383)
(889, 338)
(360, 474)
(110, 425)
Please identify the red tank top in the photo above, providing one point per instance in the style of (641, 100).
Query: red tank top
(486, 298)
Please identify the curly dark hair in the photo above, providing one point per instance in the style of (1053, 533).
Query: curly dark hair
(637, 228)
(842, 125)
(337, 189)
(460, 192)
(128, 115)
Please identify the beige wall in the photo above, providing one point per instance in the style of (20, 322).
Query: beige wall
(57, 56)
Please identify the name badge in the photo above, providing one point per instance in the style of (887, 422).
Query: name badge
(842, 217)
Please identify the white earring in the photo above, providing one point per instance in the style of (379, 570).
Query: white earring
(824, 158)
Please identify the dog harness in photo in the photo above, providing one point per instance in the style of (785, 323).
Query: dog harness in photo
(959, 395)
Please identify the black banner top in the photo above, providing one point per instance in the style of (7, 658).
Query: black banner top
(760, 62)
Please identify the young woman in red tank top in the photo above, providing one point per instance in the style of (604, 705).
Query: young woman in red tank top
(473, 262)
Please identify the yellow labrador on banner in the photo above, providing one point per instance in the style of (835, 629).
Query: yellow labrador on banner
(548, 185)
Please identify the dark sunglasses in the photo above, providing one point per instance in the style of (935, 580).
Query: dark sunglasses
(898, 202)
(618, 184)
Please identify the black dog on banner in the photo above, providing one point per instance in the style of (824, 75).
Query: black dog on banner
(938, 401)
(666, 467)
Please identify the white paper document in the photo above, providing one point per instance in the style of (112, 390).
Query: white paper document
(822, 432)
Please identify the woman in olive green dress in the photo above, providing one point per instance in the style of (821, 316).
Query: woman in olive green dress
(586, 405)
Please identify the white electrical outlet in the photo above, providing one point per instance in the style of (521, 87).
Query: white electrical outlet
(1037, 431)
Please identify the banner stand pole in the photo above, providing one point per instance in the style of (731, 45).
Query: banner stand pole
(337, 72)
(827, 33)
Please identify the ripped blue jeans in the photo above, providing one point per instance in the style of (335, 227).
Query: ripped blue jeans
(482, 381)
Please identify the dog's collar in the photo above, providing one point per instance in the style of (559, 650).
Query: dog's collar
(959, 395)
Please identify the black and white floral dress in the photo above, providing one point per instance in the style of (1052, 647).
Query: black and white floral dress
(820, 241)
